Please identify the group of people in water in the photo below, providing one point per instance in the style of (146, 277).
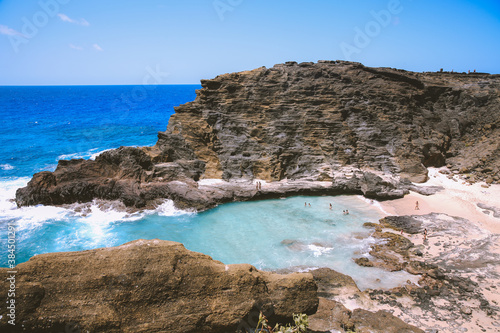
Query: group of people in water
(345, 212)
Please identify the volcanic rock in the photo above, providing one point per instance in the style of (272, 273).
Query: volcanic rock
(380, 322)
(409, 224)
(332, 316)
(331, 283)
(362, 129)
(149, 286)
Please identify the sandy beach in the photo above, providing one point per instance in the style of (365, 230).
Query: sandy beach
(458, 199)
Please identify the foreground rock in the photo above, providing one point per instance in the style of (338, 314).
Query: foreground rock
(298, 122)
(149, 286)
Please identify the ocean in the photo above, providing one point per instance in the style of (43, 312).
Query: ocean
(42, 125)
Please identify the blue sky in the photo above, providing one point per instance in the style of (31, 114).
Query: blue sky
(58, 42)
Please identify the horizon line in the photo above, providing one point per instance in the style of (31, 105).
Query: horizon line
(95, 85)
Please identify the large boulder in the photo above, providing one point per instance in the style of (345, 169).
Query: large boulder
(149, 286)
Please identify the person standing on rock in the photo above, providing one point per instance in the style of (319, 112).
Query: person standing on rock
(425, 235)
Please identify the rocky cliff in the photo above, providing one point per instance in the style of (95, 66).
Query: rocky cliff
(328, 121)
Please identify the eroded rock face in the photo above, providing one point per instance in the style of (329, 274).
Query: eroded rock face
(150, 286)
(301, 122)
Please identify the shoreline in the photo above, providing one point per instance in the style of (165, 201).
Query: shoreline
(456, 199)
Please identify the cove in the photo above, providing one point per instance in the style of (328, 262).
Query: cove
(269, 234)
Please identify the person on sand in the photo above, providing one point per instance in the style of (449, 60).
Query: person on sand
(401, 231)
(416, 205)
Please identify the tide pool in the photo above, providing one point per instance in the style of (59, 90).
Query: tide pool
(270, 234)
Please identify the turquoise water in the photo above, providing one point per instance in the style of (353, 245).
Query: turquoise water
(45, 124)
(271, 234)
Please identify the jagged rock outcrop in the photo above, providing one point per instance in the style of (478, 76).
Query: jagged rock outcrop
(300, 122)
(457, 261)
(332, 316)
(149, 286)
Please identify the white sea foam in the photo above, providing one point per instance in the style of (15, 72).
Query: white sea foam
(98, 214)
(34, 216)
(80, 155)
(307, 269)
(374, 203)
(94, 155)
(167, 208)
(95, 224)
(8, 193)
(70, 156)
(319, 250)
(6, 167)
(95, 214)
(26, 217)
(90, 154)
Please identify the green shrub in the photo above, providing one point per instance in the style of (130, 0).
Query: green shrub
(301, 324)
